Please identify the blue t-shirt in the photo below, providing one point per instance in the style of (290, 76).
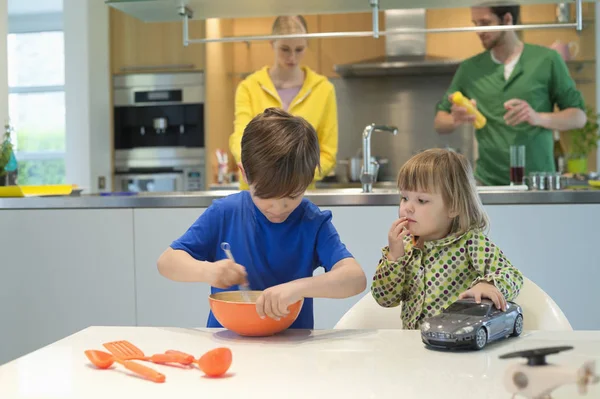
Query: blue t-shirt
(272, 253)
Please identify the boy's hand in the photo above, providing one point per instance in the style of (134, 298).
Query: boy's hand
(485, 290)
(396, 239)
(274, 301)
(225, 273)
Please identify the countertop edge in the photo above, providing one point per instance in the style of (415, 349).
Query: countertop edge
(324, 199)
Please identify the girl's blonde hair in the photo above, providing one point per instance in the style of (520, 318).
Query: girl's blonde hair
(448, 173)
(289, 25)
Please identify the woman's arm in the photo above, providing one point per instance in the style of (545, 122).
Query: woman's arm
(243, 116)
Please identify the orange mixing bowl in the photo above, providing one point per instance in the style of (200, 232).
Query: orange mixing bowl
(240, 316)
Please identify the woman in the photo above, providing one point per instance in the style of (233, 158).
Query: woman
(294, 88)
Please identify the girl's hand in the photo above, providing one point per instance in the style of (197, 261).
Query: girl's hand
(396, 239)
(485, 290)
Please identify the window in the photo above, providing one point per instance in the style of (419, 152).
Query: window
(36, 76)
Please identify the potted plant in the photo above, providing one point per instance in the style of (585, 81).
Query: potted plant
(583, 141)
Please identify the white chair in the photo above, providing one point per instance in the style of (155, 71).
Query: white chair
(367, 314)
(539, 310)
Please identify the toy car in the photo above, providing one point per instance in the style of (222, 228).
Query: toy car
(466, 323)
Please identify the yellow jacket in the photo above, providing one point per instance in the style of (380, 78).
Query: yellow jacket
(315, 102)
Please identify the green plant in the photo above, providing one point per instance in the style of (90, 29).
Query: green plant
(585, 139)
(5, 151)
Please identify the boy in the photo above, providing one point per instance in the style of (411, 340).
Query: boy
(278, 237)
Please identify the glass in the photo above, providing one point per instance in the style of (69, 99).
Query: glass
(42, 171)
(36, 59)
(517, 164)
(39, 121)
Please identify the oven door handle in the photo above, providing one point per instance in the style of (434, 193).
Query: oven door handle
(169, 175)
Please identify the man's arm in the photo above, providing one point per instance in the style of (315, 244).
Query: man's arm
(448, 116)
(567, 97)
(567, 119)
(444, 122)
(520, 111)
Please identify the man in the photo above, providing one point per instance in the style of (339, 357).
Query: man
(516, 86)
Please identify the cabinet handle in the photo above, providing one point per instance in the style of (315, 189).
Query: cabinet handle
(154, 67)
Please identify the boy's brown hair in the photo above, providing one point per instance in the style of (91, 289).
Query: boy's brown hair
(280, 154)
(450, 174)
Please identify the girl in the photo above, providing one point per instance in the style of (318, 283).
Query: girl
(437, 252)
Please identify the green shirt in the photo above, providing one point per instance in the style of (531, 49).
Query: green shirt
(541, 78)
(431, 275)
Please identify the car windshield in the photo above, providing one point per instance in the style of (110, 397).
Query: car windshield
(471, 309)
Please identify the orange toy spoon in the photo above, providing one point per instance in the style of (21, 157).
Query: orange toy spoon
(104, 360)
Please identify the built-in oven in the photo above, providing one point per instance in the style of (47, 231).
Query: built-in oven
(160, 180)
(159, 132)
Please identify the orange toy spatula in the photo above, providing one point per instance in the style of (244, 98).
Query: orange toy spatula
(127, 351)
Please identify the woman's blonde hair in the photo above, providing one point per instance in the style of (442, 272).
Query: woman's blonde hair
(289, 25)
(449, 174)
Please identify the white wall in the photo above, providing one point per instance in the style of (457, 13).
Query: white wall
(87, 93)
(3, 63)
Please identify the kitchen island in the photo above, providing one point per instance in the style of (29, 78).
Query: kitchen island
(71, 262)
(295, 364)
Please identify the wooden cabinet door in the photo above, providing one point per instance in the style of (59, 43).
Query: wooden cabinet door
(352, 49)
(137, 46)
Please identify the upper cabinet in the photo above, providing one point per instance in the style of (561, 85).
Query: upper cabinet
(350, 49)
(137, 46)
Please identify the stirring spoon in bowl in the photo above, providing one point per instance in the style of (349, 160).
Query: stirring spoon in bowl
(243, 287)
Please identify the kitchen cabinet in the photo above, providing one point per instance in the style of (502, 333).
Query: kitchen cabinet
(61, 271)
(138, 46)
(351, 49)
(160, 301)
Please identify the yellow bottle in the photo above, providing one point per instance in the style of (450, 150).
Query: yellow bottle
(460, 100)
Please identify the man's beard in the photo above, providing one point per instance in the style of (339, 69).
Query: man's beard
(494, 43)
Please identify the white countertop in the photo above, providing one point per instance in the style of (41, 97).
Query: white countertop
(296, 364)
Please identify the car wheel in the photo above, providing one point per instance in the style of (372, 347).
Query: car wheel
(518, 328)
(480, 338)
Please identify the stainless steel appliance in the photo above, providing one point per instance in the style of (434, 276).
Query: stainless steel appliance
(159, 132)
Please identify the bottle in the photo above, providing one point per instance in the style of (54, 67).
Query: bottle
(559, 153)
(459, 99)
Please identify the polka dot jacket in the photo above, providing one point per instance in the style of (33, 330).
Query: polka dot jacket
(431, 275)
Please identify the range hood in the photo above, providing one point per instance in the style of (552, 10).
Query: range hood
(405, 54)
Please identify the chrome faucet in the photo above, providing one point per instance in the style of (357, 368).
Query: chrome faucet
(371, 168)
